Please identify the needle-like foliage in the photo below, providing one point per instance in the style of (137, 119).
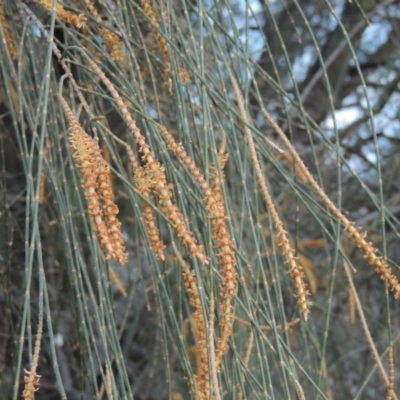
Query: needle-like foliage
(192, 196)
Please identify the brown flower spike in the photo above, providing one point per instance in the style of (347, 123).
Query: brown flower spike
(202, 373)
(223, 242)
(149, 10)
(98, 189)
(6, 33)
(77, 20)
(144, 185)
(31, 380)
(296, 270)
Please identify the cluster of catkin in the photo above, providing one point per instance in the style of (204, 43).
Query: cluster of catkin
(223, 243)
(145, 181)
(157, 182)
(357, 235)
(152, 174)
(155, 174)
(98, 189)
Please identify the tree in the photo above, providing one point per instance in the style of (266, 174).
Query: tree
(179, 183)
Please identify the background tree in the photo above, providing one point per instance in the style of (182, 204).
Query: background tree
(160, 233)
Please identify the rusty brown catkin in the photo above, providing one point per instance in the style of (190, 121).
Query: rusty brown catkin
(144, 185)
(66, 16)
(110, 209)
(149, 10)
(98, 189)
(296, 270)
(31, 380)
(6, 33)
(202, 374)
(222, 243)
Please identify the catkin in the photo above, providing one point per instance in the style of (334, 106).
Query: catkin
(144, 185)
(110, 209)
(112, 41)
(202, 374)
(6, 33)
(216, 183)
(84, 147)
(31, 380)
(296, 270)
(66, 16)
(149, 11)
(98, 189)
